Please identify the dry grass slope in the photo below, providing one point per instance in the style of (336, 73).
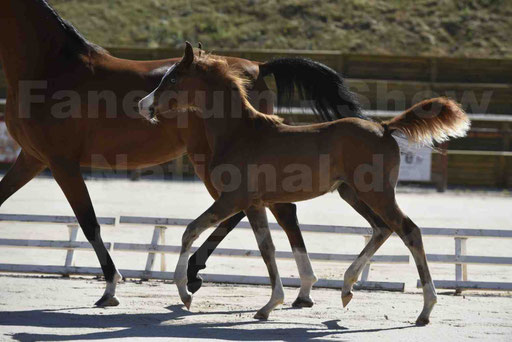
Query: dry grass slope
(473, 28)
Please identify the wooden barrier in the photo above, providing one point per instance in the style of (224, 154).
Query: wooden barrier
(417, 68)
(106, 221)
(375, 77)
(161, 223)
(461, 260)
(157, 246)
(71, 245)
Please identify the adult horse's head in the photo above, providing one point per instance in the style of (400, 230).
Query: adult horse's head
(172, 92)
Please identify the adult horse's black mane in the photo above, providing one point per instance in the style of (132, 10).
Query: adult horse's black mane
(312, 80)
(77, 43)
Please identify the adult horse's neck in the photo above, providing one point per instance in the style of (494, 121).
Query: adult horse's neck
(32, 36)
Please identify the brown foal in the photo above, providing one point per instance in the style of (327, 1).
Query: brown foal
(299, 163)
(47, 62)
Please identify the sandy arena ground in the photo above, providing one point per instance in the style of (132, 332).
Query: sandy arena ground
(51, 308)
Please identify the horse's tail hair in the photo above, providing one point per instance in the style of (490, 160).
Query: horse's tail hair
(324, 88)
(434, 120)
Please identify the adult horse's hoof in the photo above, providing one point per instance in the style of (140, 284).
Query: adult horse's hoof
(421, 321)
(195, 284)
(346, 299)
(107, 300)
(262, 316)
(303, 302)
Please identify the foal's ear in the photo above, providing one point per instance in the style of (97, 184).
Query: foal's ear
(188, 57)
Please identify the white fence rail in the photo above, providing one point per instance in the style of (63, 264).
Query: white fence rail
(157, 246)
(461, 260)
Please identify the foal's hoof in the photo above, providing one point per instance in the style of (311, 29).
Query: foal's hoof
(107, 300)
(303, 302)
(187, 301)
(346, 298)
(195, 284)
(262, 316)
(422, 321)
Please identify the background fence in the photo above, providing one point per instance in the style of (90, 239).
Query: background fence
(484, 158)
(374, 76)
(157, 245)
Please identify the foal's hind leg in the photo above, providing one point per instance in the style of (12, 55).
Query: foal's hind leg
(384, 204)
(381, 232)
(286, 215)
(259, 224)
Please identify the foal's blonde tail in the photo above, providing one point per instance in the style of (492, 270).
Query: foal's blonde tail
(434, 120)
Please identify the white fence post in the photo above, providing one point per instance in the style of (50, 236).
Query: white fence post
(73, 232)
(163, 264)
(157, 233)
(366, 270)
(461, 270)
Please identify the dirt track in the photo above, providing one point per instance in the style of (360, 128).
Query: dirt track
(49, 309)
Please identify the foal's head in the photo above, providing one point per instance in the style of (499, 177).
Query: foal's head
(193, 83)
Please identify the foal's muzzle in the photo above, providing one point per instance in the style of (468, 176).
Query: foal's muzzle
(147, 106)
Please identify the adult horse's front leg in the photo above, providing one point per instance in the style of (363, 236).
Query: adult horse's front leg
(221, 210)
(68, 176)
(23, 170)
(259, 224)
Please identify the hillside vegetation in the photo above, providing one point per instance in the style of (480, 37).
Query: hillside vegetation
(474, 28)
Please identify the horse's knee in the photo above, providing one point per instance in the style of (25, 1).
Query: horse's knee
(410, 234)
(189, 236)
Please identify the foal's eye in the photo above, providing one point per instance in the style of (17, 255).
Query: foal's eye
(173, 81)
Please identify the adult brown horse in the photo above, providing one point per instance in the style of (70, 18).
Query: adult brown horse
(300, 163)
(71, 104)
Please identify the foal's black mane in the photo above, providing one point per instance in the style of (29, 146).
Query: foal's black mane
(77, 42)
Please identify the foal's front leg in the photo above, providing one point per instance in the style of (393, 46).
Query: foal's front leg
(286, 215)
(218, 212)
(258, 219)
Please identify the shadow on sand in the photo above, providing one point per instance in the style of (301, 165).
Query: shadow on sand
(150, 325)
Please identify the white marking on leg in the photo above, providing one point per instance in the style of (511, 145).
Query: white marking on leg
(353, 272)
(429, 297)
(306, 273)
(180, 275)
(110, 290)
(276, 299)
(259, 223)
